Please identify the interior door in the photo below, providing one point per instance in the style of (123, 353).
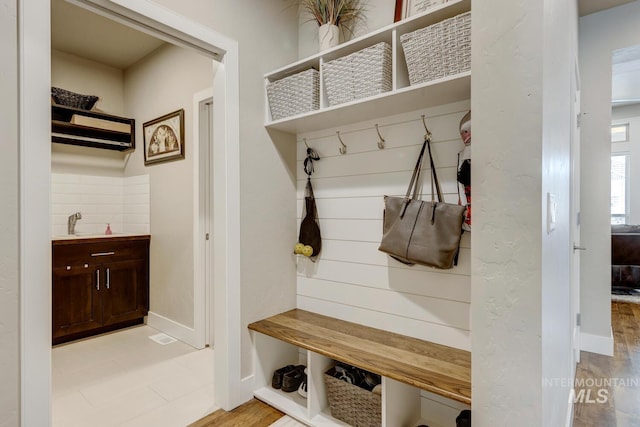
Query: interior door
(575, 215)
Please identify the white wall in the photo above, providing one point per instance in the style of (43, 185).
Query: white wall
(88, 77)
(92, 78)
(520, 295)
(600, 34)
(631, 116)
(267, 171)
(9, 226)
(560, 56)
(161, 83)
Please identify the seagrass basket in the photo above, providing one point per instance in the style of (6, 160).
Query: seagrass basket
(360, 74)
(439, 50)
(295, 94)
(352, 404)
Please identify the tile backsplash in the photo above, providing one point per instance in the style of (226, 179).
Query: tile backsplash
(122, 202)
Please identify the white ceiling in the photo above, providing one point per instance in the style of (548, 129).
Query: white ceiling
(80, 32)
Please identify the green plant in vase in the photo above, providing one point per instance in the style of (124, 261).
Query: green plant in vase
(331, 15)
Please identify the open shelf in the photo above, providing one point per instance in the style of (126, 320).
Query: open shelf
(99, 130)
(402, 98)
(408, 367)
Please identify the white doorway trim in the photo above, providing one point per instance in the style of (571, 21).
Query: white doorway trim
(202, 221)
(35, 258)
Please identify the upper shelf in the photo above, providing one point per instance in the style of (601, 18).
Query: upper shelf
(402, 98)
(75, 126)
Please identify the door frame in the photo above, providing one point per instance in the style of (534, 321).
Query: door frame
(203, 293)
(576, 249)
(34, 64)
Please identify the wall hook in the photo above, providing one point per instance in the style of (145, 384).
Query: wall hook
(427, 135)
(305, 143)
(381, 139)
(343, 148)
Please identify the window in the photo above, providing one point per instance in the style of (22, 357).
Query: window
(619, 188)
(620, 133)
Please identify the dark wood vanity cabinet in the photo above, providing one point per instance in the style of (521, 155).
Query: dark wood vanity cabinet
(99, 285)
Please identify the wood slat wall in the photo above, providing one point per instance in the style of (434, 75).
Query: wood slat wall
(354, 281)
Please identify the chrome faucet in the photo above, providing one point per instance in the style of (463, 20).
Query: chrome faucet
(71, 222)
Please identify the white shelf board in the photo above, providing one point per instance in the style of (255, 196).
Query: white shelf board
(437, 92)
(291, 404)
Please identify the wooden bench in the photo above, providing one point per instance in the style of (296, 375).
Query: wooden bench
(436, 368)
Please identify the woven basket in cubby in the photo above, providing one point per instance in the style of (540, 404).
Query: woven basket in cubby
(360, 74)
(295, 94)
(353, 405)
(439, 50)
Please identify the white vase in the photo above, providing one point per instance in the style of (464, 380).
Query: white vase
(328, 35)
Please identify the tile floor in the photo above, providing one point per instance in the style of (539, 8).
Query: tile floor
(126, 379)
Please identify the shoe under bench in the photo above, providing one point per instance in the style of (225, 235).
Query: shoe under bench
(407, 366)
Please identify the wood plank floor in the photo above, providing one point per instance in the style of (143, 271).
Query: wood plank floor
(252, 414)
(622, 406)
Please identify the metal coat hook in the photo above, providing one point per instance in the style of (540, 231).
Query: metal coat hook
(427, 135)
(381, 141)
(343, 148)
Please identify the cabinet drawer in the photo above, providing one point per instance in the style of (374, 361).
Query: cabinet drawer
(98, 252)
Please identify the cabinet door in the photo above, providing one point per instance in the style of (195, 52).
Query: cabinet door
(76, 299)
(125, 294)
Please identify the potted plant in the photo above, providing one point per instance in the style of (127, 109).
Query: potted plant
(331, 15)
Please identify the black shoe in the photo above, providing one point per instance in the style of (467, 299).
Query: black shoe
(464, 419)
(276, 381)
(291, 380)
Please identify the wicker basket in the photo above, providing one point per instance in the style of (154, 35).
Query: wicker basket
(439, 50)
(352, 404)
(296, 94)
(361, 74)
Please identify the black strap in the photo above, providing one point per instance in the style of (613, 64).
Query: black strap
(308, 162)
(434, 174)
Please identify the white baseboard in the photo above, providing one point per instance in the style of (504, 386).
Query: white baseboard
(597, 343)
(173, 328)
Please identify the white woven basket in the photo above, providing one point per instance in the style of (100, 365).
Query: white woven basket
(361, 74)
(439, 50)
(295, 94)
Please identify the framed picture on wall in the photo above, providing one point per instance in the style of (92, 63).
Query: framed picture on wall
(164, 138)
(407, 8)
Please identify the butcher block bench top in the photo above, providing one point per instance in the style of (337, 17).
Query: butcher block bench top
(436, 368)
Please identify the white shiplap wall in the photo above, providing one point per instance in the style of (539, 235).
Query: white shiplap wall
(354, 281)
